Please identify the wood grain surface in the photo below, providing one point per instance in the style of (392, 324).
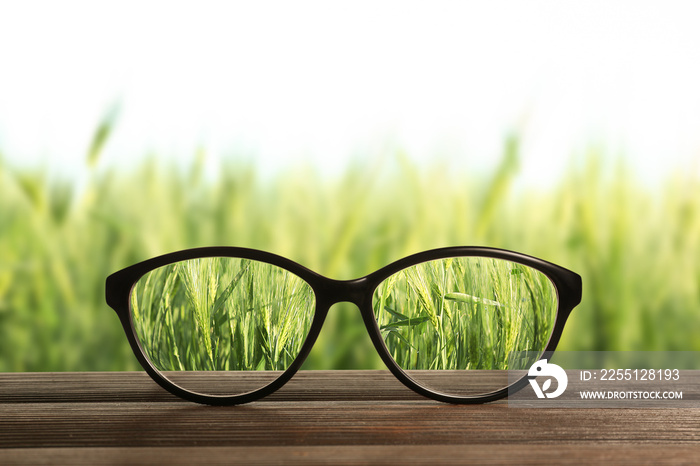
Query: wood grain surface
(318, 417)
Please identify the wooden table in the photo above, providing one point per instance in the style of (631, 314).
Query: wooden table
(318, 417)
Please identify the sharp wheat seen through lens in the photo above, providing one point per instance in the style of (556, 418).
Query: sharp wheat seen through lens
(221, 314)
(468, 313)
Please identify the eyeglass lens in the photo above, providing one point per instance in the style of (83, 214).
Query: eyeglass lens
(219, 325)
(457, 326)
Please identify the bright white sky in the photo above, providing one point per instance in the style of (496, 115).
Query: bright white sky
(323, 81)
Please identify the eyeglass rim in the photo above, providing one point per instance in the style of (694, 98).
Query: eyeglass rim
(119, 285)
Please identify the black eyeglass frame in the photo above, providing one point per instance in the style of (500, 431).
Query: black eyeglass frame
(328, 292)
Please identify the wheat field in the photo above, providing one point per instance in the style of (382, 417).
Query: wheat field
(636, 247)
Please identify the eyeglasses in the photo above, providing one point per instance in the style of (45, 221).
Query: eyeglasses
(225, 325)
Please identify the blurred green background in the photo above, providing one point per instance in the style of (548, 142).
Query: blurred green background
(635, 246)
(567, 132)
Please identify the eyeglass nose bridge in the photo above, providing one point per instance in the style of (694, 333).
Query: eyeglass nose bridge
(330, 291)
